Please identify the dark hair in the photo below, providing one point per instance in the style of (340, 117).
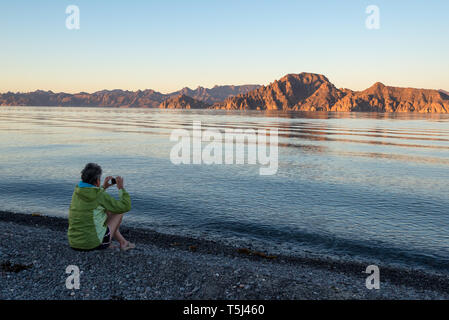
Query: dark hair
(91, 173)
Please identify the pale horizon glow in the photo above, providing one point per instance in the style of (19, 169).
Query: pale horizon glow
(169, 45)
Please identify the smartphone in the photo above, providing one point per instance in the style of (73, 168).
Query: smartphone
(113, 181)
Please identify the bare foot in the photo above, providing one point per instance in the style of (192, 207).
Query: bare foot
(127, 246)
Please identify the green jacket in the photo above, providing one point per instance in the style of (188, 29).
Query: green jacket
(87, 215)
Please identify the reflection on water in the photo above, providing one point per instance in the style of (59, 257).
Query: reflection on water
(368, 185)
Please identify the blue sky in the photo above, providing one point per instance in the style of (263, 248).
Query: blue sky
(166, 45)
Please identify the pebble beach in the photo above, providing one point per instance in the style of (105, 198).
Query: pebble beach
(34, 255)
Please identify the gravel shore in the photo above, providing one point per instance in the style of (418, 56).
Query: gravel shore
(34, 255)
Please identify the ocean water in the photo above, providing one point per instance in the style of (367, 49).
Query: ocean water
(362, 186)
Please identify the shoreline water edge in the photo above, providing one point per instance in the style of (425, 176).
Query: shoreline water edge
(34, 257)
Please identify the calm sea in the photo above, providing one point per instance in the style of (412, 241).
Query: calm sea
(362, 186)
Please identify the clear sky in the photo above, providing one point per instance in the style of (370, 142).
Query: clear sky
(166, 45)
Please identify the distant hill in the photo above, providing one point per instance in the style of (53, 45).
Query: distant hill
(292, 92)
(216, 94)
(119, 98)
(105, 98)
(183, 102)
(297, 92)
(392, 99)
(314, 92)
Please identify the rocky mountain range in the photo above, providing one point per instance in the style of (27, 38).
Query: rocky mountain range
(296, 92)
(104, 98)
(314, 92)
(215, 94)
(119, 98)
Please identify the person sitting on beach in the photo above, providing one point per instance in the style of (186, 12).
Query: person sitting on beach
(94, 215)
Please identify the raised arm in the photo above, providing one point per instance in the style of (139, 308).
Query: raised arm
(116, 206)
